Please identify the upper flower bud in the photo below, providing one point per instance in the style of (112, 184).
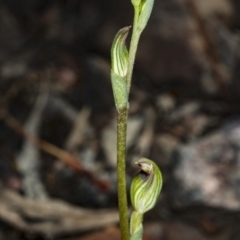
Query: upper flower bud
(146, 186)
(119, 53)
(143, 9)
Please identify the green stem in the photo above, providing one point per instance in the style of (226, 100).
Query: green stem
(121, 173)
(122, 116)
(136, 228)
(135, 222)
(133, 48)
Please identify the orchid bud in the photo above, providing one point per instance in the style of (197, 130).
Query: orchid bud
(119, 57)
(119, 53)
(146, 186)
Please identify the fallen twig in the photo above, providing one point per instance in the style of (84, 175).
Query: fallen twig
(50, 218)
(66, 157)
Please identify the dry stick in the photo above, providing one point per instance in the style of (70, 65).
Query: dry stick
(51, 218)
(53, 150)
(41, 144)
(28, 159)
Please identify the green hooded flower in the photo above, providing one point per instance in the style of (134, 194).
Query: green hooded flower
(146, 186)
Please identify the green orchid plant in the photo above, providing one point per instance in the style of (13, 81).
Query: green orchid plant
(147, 184)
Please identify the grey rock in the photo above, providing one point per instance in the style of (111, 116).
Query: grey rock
(207, 171)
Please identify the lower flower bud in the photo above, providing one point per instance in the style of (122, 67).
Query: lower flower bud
(146, 186)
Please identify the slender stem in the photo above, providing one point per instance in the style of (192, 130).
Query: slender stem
(121, 173)
(122, 116)
(133, 48)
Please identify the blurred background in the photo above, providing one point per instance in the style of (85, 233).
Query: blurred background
(58, 120)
